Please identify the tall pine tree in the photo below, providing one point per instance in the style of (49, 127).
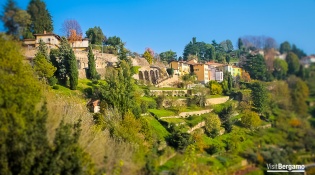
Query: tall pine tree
(40, 17)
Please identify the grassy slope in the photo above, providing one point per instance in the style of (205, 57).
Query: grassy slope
(157, 127)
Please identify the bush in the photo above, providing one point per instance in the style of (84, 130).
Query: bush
(179, 140)
(170, 71)
(250, 119)
(95, 82)
(144, 106)
(159, 101)
(88, 92)
(56, 87)
(52, 81)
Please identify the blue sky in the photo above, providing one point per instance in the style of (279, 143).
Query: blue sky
(170, 24)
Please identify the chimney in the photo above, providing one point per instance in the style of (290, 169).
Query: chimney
(44, 31)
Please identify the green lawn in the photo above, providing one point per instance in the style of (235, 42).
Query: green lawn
(194, 120)
(157, 127)
(66, 91)
(174, 120)
(165, 88)
(161, 112)
(148, 99)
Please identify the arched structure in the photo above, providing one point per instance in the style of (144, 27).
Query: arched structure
(152, 76)
(140, 75)
(146, 76)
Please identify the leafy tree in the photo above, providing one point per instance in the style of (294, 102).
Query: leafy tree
(300, 53)
(259, 95)
(213, 125)
(200, 49)
(71, 29)
(147, 55)
(67, 156)
(256, 67)
(280, 68)
(245, 77)
(188, 79)
(96, 35)
(74, 36)
(293, 63)
(10, 9)
(15, 20)
(24, 144)
(23, 133)
(92, 73)
(113, 41)
(280, 95)
(240, 43)
(211, 52)
(168, 56)
(72, 70)
(299, 94)
(170, 71)
(40, 17)
(227, 45)
(225, 115)
(250, 119)
(64, 60)
(179, 140)
(42, 49)
(119, 91)
(200, 98)
(43, 67)
(228, 59)
(285, 47)
(215, 88)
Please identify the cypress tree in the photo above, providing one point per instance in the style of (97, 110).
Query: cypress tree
(92, 74)
(72, 70)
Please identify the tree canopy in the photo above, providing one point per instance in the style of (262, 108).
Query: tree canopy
(256, 67)
(280, 68)
(96, 36)
(293, 63)
(168, 56)
(15, 20)
(259, 96)
(285, 47)
(40, 17)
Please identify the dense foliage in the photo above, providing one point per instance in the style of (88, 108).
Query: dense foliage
(95, 35)
(40, 17)
(25, 148)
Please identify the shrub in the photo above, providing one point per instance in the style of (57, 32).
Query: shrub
(179, 140)
(144, 106)
(159, 101)
(52, 81)
(88, 92)
(56, 87)
(170, 71)
(250, 119)
(95, 82)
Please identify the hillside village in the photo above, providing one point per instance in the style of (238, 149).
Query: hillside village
(88, 105)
